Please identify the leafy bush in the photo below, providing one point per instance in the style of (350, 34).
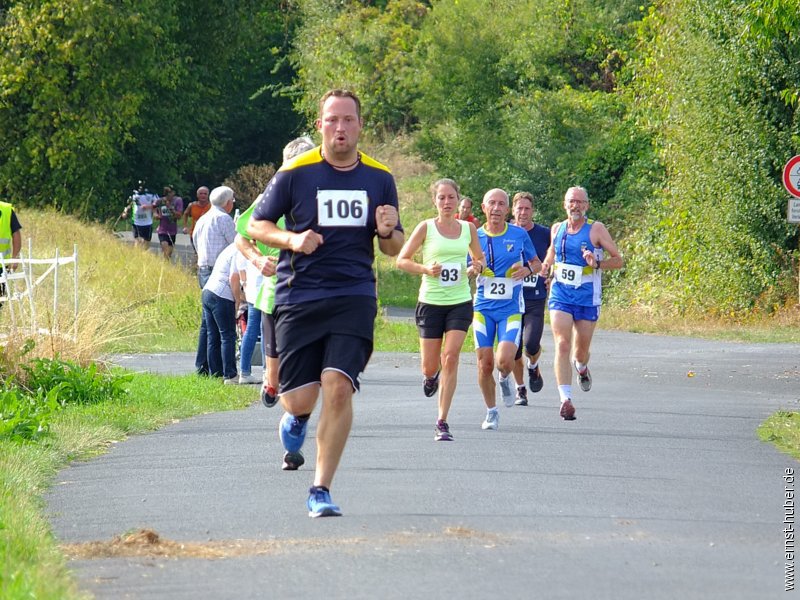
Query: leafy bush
(72, 383)
(713, 240)
(248, 182)
(25, 417)
(47, 386)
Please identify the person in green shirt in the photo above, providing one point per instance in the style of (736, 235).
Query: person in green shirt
(259, 254)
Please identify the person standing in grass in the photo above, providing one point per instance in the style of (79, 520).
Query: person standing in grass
(576, 256)
(444, 307)
(213, 233)
(252, 279)
(10, 239)
(336, 200)
(257, 254)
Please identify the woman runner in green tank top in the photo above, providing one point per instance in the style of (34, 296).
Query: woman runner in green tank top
(444, 307)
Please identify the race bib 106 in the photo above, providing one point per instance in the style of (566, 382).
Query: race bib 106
(342, 208)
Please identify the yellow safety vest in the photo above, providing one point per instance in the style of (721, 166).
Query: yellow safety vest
(5, 228)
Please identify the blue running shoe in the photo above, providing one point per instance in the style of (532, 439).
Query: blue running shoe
(320, 505)
(292, 432)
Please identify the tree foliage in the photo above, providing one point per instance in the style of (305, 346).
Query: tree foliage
(73, 78)
(773, 23)
(95, 95)
(363, 46)
(715, 237)
(677, 115)
(521, 92)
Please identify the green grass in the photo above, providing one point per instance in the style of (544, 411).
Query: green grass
(783, 430)
(32, 565)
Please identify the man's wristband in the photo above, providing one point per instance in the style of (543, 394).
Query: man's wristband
(385, 237)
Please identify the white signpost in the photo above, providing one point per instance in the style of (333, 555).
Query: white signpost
(791, 181)
(793, 210)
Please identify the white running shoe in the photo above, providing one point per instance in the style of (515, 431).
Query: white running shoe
(492, 420)
(505, 388)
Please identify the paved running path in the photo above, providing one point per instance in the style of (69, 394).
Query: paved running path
(660, 489)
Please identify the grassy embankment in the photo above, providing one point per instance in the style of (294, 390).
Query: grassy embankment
(132, 301)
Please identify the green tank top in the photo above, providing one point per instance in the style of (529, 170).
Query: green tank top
(452, 286)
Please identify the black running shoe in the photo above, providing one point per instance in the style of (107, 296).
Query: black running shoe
(535, 381)
(293, 461)
(430, 385)
(269, 396)
(522, 396)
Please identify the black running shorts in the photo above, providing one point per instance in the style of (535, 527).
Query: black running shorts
(143, 231)
(434, 320)
(334, 333)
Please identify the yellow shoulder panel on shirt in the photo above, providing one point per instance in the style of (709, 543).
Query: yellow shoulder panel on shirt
(309, 157)
(371, 162)
(314, 156)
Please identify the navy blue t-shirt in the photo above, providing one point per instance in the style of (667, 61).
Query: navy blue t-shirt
(533, 286)
(340, 206)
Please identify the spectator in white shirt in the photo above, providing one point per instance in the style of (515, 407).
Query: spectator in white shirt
(214, 231)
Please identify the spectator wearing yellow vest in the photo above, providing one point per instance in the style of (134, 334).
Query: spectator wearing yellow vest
(10, 236)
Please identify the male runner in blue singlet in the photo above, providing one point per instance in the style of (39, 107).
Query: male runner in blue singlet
(580, 247)
(498, 303)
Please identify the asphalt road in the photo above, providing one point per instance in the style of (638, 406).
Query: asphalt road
(182, 252)
(660, 489)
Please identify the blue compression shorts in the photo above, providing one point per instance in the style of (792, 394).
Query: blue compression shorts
(486, 326)
(578, 312)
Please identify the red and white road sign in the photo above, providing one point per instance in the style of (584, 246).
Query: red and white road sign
(791, 176)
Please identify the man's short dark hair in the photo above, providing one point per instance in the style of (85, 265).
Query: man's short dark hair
(339, 93)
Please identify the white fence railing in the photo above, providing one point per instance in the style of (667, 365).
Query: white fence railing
(19, 289)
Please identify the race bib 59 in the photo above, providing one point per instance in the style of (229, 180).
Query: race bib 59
(568, 274)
